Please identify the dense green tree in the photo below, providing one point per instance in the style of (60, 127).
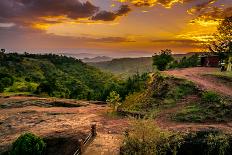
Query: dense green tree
(28, 144)
(222, 43)
(185, 62)
(162, 59)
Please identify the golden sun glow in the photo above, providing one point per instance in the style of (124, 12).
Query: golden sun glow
(144, 25)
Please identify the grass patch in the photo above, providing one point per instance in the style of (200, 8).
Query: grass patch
(223, 77)
(221, 74)
(190, 114)
(146, 138)
(211, 107)
(163, 92)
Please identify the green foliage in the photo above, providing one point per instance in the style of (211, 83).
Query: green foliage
(162, 92)
(211, 107)
(191, 113)
(206, 142)
(125, 67)
(185, 62)
(114, 100)
(60, 76)
(162, 59)
(28, 144)
(146, 138)
(211, 97)
(182, 90)
(222, 43)
(6, 80)
(22, 87)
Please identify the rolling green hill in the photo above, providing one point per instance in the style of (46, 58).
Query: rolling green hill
(61, 76)
(129, 66)
(126, 66)
(52, 75)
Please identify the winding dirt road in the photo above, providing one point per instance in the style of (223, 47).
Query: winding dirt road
(204, 82)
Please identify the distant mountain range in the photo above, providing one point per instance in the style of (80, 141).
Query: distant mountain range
(80, 55)
(97, 59)
(125, 66)
(130, 66)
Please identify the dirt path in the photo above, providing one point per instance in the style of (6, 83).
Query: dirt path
(206, 83)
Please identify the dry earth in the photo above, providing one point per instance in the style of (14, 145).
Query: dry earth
(206, 83)
(59, 122)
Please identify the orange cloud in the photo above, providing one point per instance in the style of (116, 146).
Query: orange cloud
(150, 3)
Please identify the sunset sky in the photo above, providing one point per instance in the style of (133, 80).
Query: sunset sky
(110, 27)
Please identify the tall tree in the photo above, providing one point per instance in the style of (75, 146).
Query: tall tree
(162, 59)
(223, 38)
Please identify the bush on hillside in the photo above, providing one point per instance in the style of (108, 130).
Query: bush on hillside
(146, 138)
(161, 60)
(210, 107)
(162, 92)
(28, 144)
(211, 97)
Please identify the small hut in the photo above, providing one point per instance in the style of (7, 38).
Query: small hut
(209, 60)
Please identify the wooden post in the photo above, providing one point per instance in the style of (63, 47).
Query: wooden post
(81, 143)
(93, 130)
(126, 133)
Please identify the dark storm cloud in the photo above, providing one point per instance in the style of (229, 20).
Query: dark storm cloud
(23, 11)
(105, 16)
(110, 16)
(123, 10)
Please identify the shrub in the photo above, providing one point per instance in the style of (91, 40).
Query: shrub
(145, 138)
(205, 142)
(28, 144)
(210, 107)
(162, 59)
(183, 89)
(114, 100)
(211, 97)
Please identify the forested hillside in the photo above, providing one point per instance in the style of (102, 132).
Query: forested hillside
(59, 76)
(126, 66)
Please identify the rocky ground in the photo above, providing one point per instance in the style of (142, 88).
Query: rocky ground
(53, 121)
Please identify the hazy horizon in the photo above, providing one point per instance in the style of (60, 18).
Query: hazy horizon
(91, 53)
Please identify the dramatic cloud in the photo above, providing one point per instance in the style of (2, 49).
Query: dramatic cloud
(212, 16)
(110, 16)
(95, 24)
(201, 7)
(150, 3)
(38, 8)
(179, 42)
(114, 40)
